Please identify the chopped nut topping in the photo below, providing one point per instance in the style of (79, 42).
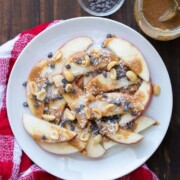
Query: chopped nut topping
(33, 87)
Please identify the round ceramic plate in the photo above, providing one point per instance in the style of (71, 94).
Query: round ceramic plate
(119, 160)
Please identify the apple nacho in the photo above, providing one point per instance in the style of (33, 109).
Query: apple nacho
(88, 100)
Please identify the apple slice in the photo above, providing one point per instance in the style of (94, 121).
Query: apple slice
(93, 150)
(82, 62)
(58, 148)
(70, 48)
(36, 75)
(110, 104)
(143, 123)
(125, 137)
(44, 131)
(101, 84)
(107, 143)
(130, 55)
(144, 93)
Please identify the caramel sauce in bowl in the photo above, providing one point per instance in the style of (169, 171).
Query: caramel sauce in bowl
(147, 13)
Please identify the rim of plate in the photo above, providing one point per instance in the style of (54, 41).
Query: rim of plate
(67, 22)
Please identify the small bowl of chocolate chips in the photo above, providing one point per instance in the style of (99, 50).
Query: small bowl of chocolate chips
(101, 7)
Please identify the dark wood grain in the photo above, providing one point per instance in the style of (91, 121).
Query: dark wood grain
(19, 15)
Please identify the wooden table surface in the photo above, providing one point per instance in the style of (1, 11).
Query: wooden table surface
(19, 15)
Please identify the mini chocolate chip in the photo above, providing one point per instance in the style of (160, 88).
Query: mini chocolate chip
(68, 66)
(64, 81)
(52, 66)
(126, 103)
(62, 123)
(79, 61)
(50, 55)
(43, 86)
(36, 104)
(46, 99)
(73, 90)
(47, 82)
(104, 74)
(77, 110)
(87, 74)
(71, 125)
(56, 97)
(134, 113)
(118, 102)
(104, 96)
(34, 97)
(46, 108)
(112, 101)
(129, 125)
(82, 106)
(109, 35)
(24, 84)
(130, 106)
(125, 108)
(43, 137)
(96, 62)
(103, 45)
(25, 104)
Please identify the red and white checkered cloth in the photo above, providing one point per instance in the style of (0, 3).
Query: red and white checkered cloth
(14, 163)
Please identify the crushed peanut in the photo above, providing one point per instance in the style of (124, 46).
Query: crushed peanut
(113, 74)
(68, 87)
(156, 89)
(33, 87)
(111, 65)
(131, 75)
(84, 136)
(87, 112)
(48, 117)
(68, 75)
(69, 115)
(97, 113)
(110, 107)
(41, 95)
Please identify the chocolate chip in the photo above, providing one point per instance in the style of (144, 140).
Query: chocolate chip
(48, 82)
(50, 55)
(118, 102)
(43, 137)
(79, 61)
(71, 125)
(87, 74)
(104, 74)
(64, 81)
(56, 97)
(46, 99)
(62, 123)
(77, 110)
(103, 45)
(34, 97)
(134, 113)
(104, 96)
(73, 90)
(68, 66)
(43, 86)
(25, 104)
(125, 108)
(24, 84)
(82, 106)
(36, 104)
(52, 66)
(109, 35)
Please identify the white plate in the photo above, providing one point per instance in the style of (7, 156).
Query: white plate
(118, 161)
